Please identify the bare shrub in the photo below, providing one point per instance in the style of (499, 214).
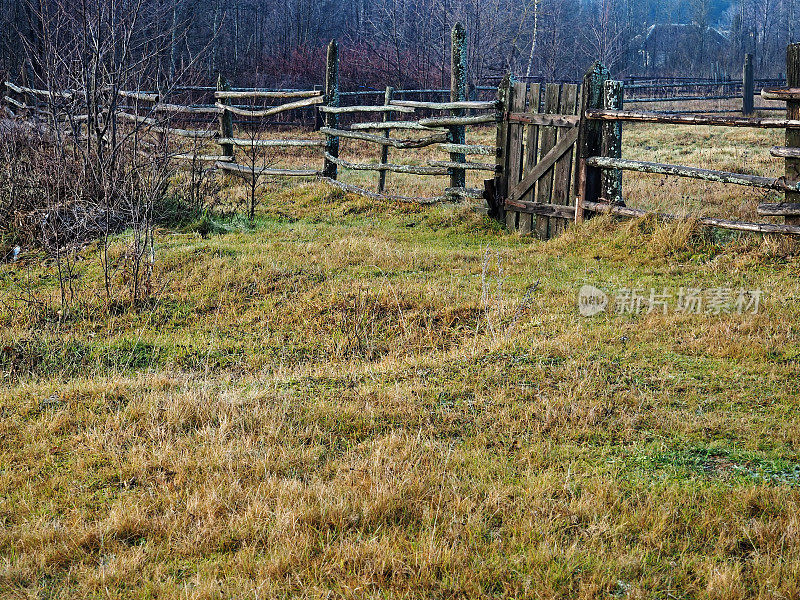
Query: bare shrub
(74, 170)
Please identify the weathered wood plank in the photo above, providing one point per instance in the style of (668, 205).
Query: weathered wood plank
(611, 180)
(748, 86)
(225, 118)
(135, 118)
(688, 119)
(469, 166)
(45, 93)
(587, 179)
(154, 126)
(548, 135)
(187, 133)
(458, 94)
(781, 94)
(576, 159)
(248, 143)
(465, 105)
(515, 147)
(274, 110)
(525, 220)
(410, 169)
(465, 192)
(792, 170)
(195, 110)
(387, 99)
(769, 183)
(500, 187)
(457, 121)
(679, 99)
(353, 189)
(468, 149)
(400, 144)
(229, 94)
(559, 211)
(779, 209)
(562, 172)
(16, 103)
(784, 152)
(142, 96)
(542, 119)
(202, 157)
(14, 88)
(332, 98)
(341, 110)
(378, 125)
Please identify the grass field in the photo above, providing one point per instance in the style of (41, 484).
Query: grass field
(355, 399)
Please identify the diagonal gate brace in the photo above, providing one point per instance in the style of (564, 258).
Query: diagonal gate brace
(544, 165)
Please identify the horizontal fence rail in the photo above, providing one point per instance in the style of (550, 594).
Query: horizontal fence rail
(687, 119)
(767, 183)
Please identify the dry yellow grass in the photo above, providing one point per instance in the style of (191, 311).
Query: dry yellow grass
(355, 399)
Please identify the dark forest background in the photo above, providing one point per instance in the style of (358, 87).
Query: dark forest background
(405, 43)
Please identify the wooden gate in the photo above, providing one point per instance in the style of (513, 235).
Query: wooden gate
(536, 156)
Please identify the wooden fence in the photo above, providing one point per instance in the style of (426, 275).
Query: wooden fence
(685, 90)
(557, 156)
(404, 122)
(600, 163)
(447, 132)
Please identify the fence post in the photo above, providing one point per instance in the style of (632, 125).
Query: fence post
(748, 86)
(387, 98)
(590, 139)
(611, 186)
(332, 99)
(793, 135)
(225, 118)
(495, 197)
(458, 93)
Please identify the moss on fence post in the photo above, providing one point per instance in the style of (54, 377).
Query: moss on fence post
(590, 136)
(496, 196)
(332, 99)
(458, 93)
(611, 180)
